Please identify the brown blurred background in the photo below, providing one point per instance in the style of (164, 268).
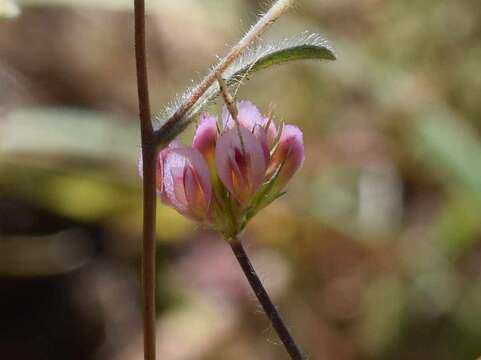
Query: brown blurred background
(374, 253)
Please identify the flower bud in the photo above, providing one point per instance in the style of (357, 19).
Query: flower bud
(186, 183)
(206, 136)
(288, 156)
(240, 163)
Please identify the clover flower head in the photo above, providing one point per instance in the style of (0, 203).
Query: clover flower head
(232, 170)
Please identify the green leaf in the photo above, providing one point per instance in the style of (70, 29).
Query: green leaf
(301, 47)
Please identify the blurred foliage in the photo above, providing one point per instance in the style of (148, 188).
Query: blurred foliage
(376, 247)
(8, 9)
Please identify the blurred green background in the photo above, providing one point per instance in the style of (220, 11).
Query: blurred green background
(374, 253)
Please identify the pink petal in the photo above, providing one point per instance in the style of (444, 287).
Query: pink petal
(242, 173)
(177, 197)
(194, 194)
(248, 116)
(271, 131)
(178, 163)
(289, 154)
(206, 134)
(261, 136)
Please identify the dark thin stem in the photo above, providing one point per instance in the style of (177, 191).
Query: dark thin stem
(264, 299)
(148, 252)
(141, 63)
(149, 155)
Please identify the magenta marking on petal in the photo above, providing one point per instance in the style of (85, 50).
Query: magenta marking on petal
(234, 163)
(248, 167)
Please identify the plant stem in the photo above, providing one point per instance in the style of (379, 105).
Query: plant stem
(149, 155)
(264, 299)
(148, 253)
(276, 10)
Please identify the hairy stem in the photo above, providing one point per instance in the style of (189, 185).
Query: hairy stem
(149, 155)
(279, 7)
(264, 299)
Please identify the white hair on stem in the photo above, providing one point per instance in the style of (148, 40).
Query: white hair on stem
(253, 59)
(189, 99)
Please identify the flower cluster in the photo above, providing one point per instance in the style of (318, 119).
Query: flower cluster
(232, 170)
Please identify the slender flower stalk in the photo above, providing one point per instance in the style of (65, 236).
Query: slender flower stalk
(149, 165)
(266, 302)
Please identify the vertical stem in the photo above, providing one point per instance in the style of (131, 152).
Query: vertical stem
(266, 302)
(149, 154)
(148, 252)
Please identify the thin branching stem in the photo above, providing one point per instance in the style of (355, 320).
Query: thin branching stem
(277, 9)
(149, 155)
(266, 302)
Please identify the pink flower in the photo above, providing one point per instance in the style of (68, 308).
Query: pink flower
(186, 182)
(288, 156)
(224, 179)
(241, 166)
